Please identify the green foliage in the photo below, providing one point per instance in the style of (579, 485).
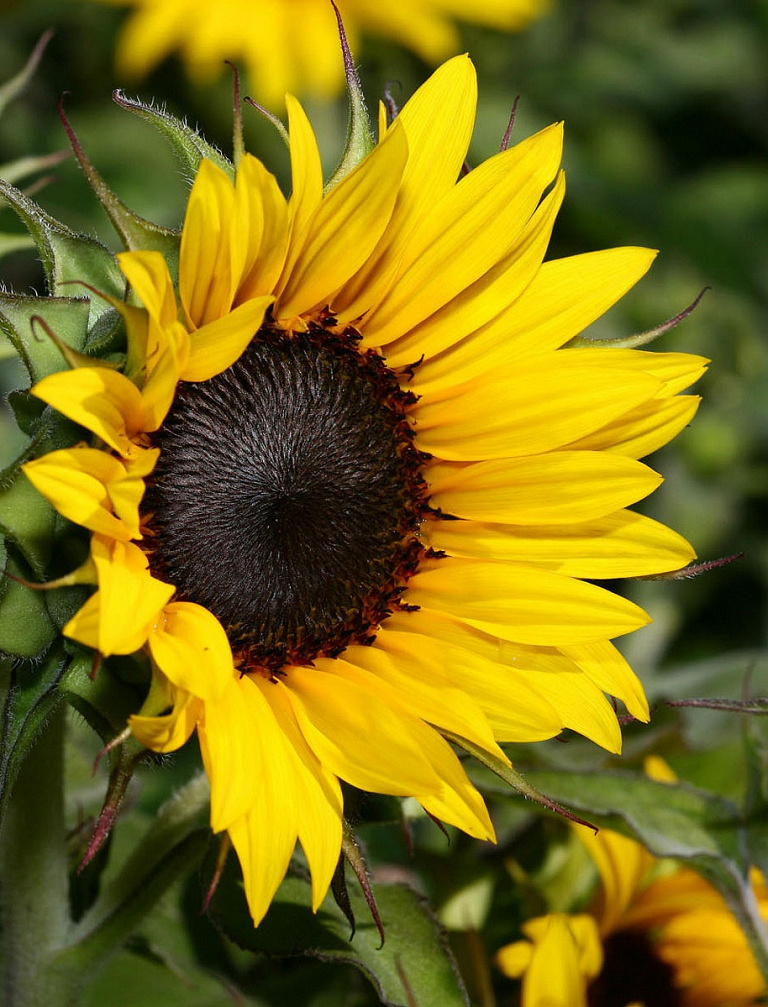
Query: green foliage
(413, 965)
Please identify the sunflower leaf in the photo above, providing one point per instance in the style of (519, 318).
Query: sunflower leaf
(413, 966)
(671, 820)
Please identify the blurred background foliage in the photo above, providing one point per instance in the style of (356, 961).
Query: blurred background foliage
(666, 111)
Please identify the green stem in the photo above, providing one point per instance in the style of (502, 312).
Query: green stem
(33, 874)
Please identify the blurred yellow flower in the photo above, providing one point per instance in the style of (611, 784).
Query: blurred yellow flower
(668, 938)
(292, 45)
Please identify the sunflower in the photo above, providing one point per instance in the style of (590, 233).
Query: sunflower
(346, 487)
(290, 45)
(659, 935)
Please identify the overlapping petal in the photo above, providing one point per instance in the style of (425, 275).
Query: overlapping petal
(128, 604)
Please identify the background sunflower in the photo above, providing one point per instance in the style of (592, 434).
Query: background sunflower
(665, 103)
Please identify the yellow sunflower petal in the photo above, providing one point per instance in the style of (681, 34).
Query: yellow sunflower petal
(76, 482)
(192, 650)
(147, 273)
(306, 169)
(566, 953)
(210, 240)
(537, 407)
(560, 488)
(266, 836)
(125, 586)
(232, 745)
(168, 732)
(622, 864)
(676, 371)
(266, 210)
(644, 429)
(438, 121)
(101, 400)
(623, 544)
(486, 297)
(358, 208)
(467, 233)
(512, 682)
(609, 671)
(165, 369)
(354, 732)
(321, 803)
(562, 299)
(420, 686)
(456, 801)
(216, 346)
(514, 708)
(127, 493)
(523, 604)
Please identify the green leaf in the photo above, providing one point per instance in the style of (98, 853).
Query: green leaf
(414, 966)
(67, 317)
(173, 846)
(67, 256)
(29, 697)
(190, 147)
(672, 820)
(129, 979)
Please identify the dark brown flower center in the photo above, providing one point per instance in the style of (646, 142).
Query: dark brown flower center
(288, 496)
(632, 973)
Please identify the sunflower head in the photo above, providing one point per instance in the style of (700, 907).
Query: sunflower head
(344, 482)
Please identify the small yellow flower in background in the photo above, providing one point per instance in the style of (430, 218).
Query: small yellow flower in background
(377, 480)
(561, 954)
(291, 45)
(668, 938)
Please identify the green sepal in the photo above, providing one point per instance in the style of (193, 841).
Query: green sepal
(511, 776)
(107, 337)
(632, 342)
(136, 233)
(189, 146)
(359, 141)
(29, 697)
(414, 952)
(27, 410)
(67, 256)
(105, 700)
(67, 317)
(27, 520)
(26, 629)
